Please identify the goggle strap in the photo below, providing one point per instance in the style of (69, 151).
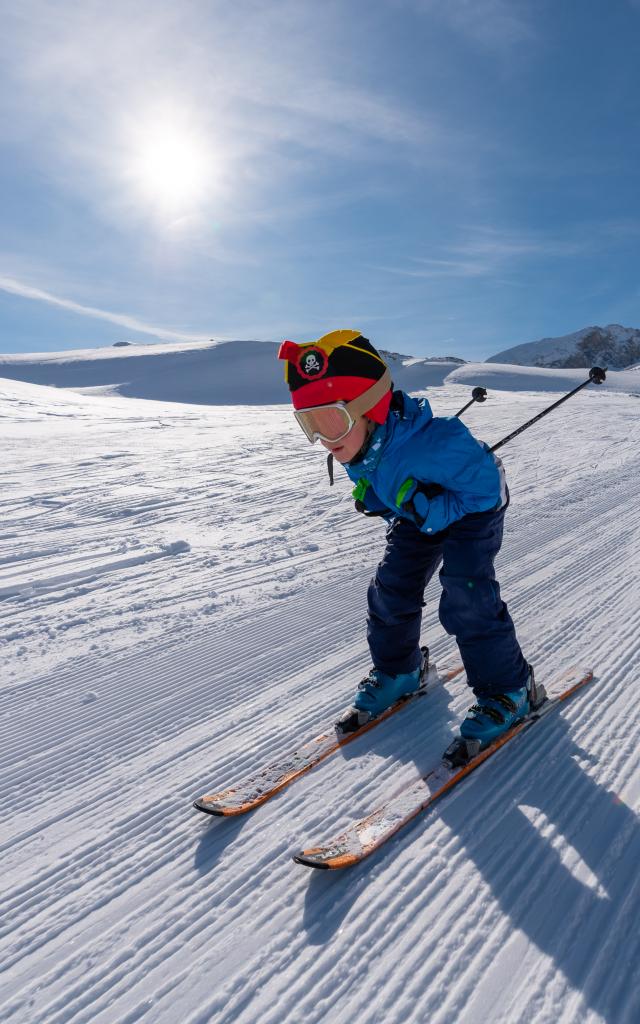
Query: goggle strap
(363, 403)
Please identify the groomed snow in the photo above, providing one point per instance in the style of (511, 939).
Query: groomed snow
(183, 596)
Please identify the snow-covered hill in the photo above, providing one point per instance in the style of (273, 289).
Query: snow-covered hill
(614, 346)
(204, 373)
(182, 597)
(506, 377)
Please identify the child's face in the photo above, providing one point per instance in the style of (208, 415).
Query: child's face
(349, 446)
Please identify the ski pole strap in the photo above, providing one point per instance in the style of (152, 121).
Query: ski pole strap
(596, 375)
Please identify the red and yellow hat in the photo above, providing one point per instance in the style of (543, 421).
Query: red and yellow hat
(337, 367)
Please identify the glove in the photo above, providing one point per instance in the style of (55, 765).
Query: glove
(417, 506)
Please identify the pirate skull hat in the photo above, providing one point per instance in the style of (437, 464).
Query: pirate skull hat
(337, 367)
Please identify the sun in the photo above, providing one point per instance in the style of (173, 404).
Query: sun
(171, 168)
(169, 164)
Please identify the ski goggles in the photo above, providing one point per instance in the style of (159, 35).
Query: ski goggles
(333, 422)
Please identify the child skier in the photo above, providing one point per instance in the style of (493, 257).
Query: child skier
(444, 496)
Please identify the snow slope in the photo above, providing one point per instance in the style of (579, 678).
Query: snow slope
(182, 596)
(204, 373)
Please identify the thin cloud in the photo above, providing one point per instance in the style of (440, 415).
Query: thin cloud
(496, 244)
(486, 253)
(13, 287)
(439, 268)
(489, 24)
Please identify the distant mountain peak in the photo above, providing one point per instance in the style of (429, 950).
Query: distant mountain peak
(613, 346)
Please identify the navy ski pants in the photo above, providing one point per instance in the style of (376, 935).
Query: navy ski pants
(471, 608)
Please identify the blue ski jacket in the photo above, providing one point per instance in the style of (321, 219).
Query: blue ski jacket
(414, 449)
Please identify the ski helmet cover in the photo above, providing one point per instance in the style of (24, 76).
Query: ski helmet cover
(338, 367)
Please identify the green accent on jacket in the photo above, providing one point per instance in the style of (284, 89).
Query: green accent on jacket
(404, 490)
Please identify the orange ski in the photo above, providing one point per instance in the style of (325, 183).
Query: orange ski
(268, 781)
(368, 834)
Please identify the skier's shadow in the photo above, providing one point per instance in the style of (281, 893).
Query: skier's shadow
(561, 859)
(564, 870)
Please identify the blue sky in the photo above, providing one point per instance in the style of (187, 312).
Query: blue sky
(447, 176)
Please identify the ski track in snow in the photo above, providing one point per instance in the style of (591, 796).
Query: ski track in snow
(182, 597)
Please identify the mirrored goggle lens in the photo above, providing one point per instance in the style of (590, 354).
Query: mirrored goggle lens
(330, 423)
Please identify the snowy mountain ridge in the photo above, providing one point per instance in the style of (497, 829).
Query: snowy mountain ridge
(199, 373)
(613, 346)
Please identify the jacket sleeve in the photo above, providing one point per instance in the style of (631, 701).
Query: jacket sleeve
(449, 455)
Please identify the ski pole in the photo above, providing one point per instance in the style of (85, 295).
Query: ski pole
(596, 374)
(477, 395)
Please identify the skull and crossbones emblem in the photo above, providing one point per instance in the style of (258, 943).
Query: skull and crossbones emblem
(313, 364)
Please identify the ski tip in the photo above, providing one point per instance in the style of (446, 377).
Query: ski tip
(327, 858)
(309, 862)
(219, 810)
(202, 805)
(227, 804)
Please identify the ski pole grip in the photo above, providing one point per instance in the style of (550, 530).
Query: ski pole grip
(477, 395)
(597, 374)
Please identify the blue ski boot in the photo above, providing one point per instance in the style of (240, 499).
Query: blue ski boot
(494, 714)
(379, 691)
(491, 717)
